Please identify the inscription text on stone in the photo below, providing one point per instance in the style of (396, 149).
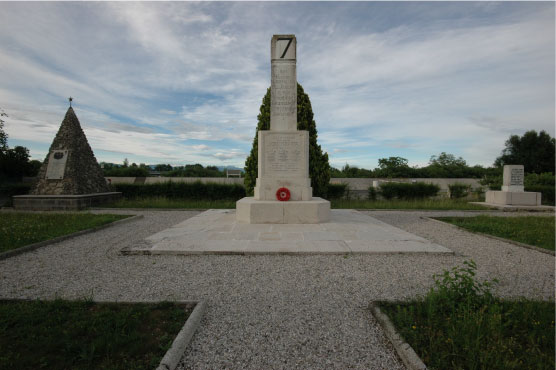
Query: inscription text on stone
(56, 165)
(516, 177)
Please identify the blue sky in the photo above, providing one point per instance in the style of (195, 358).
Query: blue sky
(182, 83)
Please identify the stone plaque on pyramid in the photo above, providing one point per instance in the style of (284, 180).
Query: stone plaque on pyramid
(70, 177)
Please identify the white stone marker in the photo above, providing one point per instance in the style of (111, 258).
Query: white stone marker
(513, 193)
(283, 165)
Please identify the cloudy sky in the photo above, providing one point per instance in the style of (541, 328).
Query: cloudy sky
(182, 82)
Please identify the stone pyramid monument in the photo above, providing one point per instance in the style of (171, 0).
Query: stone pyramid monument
(70, 166)
(70, 177)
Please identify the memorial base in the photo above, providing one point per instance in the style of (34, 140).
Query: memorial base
(63, 202)
(251, 211)
(524, 198)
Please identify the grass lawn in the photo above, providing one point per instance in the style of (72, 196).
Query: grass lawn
(532, 230)
(86, 335)
(20, 229)
(161, 202)
(432, 204)
(460, 325)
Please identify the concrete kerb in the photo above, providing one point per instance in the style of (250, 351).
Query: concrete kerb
(532, 247)
(34, 246)
(408, 356)
(173, 355)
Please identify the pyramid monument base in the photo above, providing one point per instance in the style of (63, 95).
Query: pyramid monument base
(63, 202)
(252, 211)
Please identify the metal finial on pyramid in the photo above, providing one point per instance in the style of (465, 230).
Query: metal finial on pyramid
(70, 99)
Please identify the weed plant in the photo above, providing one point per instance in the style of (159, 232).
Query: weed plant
(532, 230)
(459, 324)
(21, 228)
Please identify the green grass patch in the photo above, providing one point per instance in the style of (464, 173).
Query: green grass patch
(162, 202)
(20, 229)
(86, 335)
(532, 230)
(431, 204)
(460, 325)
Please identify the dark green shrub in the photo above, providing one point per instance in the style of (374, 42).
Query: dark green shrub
(372, 193)
(181, 190)
(336, 191)
(10, 189)
(405, 190)
(545, 178)
(459, 190)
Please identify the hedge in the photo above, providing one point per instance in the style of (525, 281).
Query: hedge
(336, 191)
(182, 190)
(10, 189)
(459, 190)
(406, 190)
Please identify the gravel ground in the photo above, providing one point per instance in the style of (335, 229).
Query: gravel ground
(276, 312)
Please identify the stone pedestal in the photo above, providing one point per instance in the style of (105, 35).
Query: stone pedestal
(252, 211)
(524, 198)
(283, 162)
(63, 202)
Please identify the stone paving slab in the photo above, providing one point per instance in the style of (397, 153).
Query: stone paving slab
(349, 231)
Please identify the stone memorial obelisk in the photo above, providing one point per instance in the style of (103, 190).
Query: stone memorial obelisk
(283, 192)
(513, 192)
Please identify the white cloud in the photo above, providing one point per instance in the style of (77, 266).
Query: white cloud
(152, 79)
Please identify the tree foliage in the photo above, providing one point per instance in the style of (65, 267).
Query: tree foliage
(535, 151)
(14, 162)
(319, 169)
(3, 135)
(393, 167)
(195, 170)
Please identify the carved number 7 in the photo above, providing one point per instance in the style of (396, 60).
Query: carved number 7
(287, 46)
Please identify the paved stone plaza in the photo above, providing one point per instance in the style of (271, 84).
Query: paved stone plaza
(273, 311)
(348, 231)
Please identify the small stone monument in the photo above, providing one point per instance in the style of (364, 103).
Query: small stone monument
(70, 177)
(512, 190)
(283, 192)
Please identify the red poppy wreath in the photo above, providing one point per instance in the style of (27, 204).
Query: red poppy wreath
(283, 194)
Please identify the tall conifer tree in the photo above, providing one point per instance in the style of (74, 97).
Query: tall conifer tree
(319, 169)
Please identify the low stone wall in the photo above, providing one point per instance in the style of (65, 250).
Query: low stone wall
(63, 202)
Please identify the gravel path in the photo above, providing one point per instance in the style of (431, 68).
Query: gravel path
(276, 312)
